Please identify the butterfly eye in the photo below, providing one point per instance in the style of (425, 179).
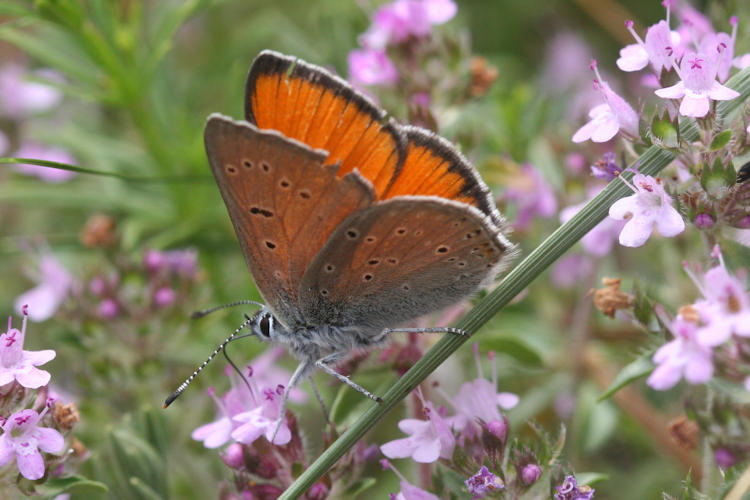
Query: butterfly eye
(265, 325)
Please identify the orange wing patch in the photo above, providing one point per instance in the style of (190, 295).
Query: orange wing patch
(307, 103)
(427, 173)
(433, 167)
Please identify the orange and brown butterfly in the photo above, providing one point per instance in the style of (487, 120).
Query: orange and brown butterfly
(350, 223)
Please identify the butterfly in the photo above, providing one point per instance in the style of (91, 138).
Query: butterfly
(349, 222)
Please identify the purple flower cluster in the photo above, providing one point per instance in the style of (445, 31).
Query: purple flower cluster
(689, 66)
(714, 324)
(27, 432)
(23, 95)
(477, 427)
(569, 490)
(393, 24)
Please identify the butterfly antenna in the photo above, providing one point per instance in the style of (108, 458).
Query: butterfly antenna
(223, 345)
(205, 312)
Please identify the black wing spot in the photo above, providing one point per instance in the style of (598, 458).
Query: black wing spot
(265, 166)
(305, 193)
(418, 233)
(270, 244)
(261, 211)
(442, 249)
(247, 163)
(324, 292)
(284, 183)
(401, 231)
(230, 169)
(405, 287)
(367, 277)
(373, 262)
(370, 239)
(352, 234)
(392, 260)
(330, 268)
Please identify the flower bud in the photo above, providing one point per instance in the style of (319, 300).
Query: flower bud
(233, 456)
(530, 474)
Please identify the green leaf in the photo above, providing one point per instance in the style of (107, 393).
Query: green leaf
(590, 478)
(667, 132)
(516, 348)
(636, 369)
(358, 487)
(720, 140)
(77, 485)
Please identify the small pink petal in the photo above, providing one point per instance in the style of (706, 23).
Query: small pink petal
(49, 440)
(399, 448)
(427, 452)
(719, 92)
(33, 378)
(674, 92)
(695, 106)
(632, 58)
(31, 465)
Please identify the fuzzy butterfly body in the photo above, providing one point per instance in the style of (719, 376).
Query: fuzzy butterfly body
(349, 222)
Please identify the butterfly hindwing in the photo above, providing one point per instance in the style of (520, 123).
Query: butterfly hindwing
(399, 259)
(284, 199)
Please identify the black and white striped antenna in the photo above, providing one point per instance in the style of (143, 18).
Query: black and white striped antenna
(222, 346)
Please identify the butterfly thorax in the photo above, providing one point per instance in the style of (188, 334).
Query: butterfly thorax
(306, 342)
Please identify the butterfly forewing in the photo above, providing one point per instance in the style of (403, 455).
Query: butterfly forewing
(284, 201)
(399, 259)
(305, 102)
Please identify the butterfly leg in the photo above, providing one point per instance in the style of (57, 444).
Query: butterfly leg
(322, 405)
(434, 329)
(323, 365)
(302, 369)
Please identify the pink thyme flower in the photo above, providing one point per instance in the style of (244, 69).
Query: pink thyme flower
(49, 153)
(22, 439)
(54, 284)
(219, 431)
(408, 490)
(20, 96)
(697, 86)
(694, 24)
(479, 400)
(371, 67)
(600, 240)
(569, 490)
(429, 439)
(742, 61)
(19, 365)
(720, 46)
(726, 308)
(650, 206)
(263, 420)
(608, 118)
(660, 46)
(397, 21)
(682, 357)
(483, 482)
(261, 374)
(164, 296)
(533, 196)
